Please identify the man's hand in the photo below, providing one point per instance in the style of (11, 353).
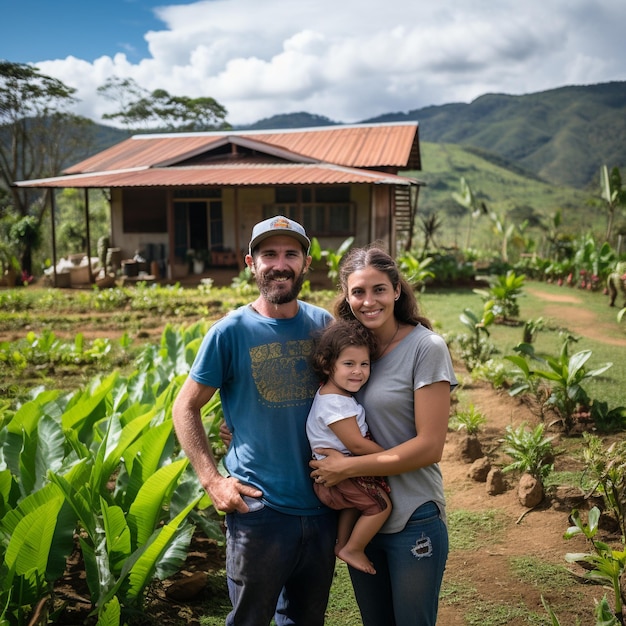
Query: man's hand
(225, 435)
(226, 492)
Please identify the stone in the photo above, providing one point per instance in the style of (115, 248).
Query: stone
(469, 449)
(495, 482)
(529, 491)
(479, 469)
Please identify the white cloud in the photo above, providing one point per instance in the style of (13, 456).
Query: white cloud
(353, 60)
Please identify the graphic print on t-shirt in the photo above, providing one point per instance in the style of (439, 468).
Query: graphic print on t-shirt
(282, 372)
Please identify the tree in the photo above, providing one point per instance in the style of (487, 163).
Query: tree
(613, 193)
(140, 108)
(38, 137)
(467, 199)
(430, 225)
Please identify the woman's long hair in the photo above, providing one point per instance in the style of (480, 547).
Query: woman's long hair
(406, 309)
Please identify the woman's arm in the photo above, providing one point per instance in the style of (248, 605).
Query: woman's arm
(432, 411)
(349, 433)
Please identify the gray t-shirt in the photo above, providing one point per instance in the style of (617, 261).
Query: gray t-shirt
(420, 359)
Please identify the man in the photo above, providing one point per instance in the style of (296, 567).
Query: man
(280, 539)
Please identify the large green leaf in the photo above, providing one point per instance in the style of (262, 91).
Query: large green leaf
(118, 544)
(143, 570)
(76, 489)
(50, 450)
(87, 408)
(145, 512)
(173, 350)
(110, 614)
(145, 456)
(114, 445)
(31, 540)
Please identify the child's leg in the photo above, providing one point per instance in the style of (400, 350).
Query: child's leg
(366, 526)
(345, 524)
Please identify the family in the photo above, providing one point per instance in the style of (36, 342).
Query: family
(371, 388)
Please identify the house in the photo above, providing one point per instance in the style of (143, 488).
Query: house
(171, 193)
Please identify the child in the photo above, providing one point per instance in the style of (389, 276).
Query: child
(336, 420)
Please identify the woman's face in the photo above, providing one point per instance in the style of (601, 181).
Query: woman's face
(371, 297)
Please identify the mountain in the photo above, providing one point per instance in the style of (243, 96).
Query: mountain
(563, 136)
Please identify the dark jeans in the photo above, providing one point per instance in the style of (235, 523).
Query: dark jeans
(409, 570)
(279, 566)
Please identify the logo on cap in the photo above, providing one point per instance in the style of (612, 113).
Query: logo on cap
(281, 222)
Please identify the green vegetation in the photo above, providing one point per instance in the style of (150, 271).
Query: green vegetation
(470, 419)
(468, 529)
(530, 449)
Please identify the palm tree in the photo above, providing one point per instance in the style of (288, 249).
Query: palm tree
(467, 199)
(613, 193)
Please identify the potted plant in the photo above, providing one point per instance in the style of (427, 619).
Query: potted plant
(198, 259)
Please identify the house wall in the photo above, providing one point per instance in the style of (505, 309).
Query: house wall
(130, 242)
(242, 208)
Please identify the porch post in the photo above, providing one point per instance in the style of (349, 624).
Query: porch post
(170, 235)
(240, 261)
(54, 235)
(88, 235)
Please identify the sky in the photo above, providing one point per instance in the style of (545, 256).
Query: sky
(347, 60)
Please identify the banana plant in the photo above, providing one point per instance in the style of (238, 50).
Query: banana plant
(607, 565)
(503, 293)
(415, 269)
(333, 257)
(564, 374)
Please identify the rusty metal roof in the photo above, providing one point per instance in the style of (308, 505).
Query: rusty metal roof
(365, 145)
(224, 175)
(363, 153)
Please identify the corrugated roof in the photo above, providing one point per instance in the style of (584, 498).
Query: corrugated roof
(224, 175)
(373, 146)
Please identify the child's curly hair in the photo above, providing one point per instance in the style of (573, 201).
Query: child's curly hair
(335, 338)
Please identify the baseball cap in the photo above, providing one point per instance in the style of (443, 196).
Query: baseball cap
(279, 225)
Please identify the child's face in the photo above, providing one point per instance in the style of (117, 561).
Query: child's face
(352, 368)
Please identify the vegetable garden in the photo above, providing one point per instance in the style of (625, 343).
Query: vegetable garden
(91, 474)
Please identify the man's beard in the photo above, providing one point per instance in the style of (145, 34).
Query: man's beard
(273, 293)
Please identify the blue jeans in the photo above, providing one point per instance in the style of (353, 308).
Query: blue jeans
(279, 566)
(409, 569)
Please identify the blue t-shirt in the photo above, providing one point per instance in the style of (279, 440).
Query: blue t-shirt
(262, 368)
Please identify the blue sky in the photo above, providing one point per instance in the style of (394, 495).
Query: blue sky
(348, 60)
(87, 29)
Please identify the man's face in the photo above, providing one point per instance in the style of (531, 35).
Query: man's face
(279, 265)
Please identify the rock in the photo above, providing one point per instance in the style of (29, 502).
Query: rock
(187, 588)
(479, 469)
(529, 491)
(469, 448)
(495, 482)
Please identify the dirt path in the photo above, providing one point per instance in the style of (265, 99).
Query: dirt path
(485, 576)
(581, 321)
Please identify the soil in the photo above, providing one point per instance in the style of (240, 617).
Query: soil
(480, 577)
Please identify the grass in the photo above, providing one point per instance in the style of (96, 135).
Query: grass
(541, 574)
(487, 613)
(468, 530)
(443, 307)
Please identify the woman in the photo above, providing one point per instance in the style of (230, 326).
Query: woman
(407, 401)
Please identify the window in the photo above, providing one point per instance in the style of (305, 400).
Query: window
(323, 211)
(145, 210)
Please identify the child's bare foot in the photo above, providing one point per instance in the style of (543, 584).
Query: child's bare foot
(356, 559)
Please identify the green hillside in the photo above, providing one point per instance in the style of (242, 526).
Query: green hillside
(562, 135)
(511, 193)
